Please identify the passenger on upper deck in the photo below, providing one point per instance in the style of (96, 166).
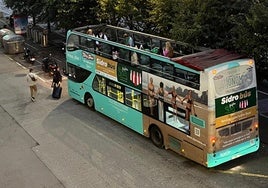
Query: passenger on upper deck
(168, 50)
(102, 36)
(128, 40)
(89, 32)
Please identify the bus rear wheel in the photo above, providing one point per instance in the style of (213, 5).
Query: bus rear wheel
(156, 137)
(89, 101)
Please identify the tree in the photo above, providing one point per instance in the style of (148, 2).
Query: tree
(252, 33)
(132, 14)
(66, 13)
(30, 7)
(162, 16)
(76, 13)
(252, 36)
(207, 22)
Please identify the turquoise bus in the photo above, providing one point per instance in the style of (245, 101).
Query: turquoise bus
(201, 104)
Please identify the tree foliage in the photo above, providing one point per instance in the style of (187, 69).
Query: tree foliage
(240, 25)
(133, 14)
(252, 33)
(77, 13)
(208, 22)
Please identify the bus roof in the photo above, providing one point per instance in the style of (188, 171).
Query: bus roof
(202, 60)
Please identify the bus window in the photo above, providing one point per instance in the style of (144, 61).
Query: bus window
(144, 59)
(120, 36)
(115, 91)
(111, 34)
(168, 71)
(84, 44)
(99, 84)
(156, 46)
(124, 55)
(73, 43)
(224, 132)
(157, 67)
(133, 98)
(236, 128)
(106, 50)
(77, 74)
(187, 78)
(193, 80)
(89, 44)
(246, 124)
(71, 71)
(138, 39)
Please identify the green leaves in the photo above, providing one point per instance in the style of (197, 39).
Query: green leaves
(240, 25)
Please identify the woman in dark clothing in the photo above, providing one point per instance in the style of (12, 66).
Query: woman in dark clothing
(57, 78)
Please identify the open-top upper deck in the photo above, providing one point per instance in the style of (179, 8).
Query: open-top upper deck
(149, 42)
(184, 54)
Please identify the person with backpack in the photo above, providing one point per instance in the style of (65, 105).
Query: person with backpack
(32, 80)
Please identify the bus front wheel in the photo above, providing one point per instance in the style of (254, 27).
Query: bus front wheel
(89, 101)
(156, 136)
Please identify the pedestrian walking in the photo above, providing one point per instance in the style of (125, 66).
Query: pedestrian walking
(32, 80)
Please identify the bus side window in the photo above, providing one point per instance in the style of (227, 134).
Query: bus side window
(83, 44)
(168, 71)
(144, 60)
(99, 84)
(156, 46)
(157, 67)
(193, 80)
(90, 44)
(77, 74)
(73, 43)
(106, 50)
(115, 91)
(133, 98)
(124, 55)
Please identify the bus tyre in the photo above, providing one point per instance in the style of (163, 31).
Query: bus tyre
(156, 136)
(90, 102)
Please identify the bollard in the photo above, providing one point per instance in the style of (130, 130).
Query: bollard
(35, 36)
(44, 40)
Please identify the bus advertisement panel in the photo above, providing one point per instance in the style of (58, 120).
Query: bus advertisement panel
(236, 117)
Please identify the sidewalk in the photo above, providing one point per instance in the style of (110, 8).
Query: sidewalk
(32, 137)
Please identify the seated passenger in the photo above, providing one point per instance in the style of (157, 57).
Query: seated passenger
(168, 50)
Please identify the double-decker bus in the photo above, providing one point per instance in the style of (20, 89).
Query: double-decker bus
(201, 104)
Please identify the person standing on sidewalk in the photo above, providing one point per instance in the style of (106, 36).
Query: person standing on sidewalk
(31, 80)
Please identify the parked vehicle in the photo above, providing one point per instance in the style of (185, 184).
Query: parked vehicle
(28, 56)
(49, 64)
